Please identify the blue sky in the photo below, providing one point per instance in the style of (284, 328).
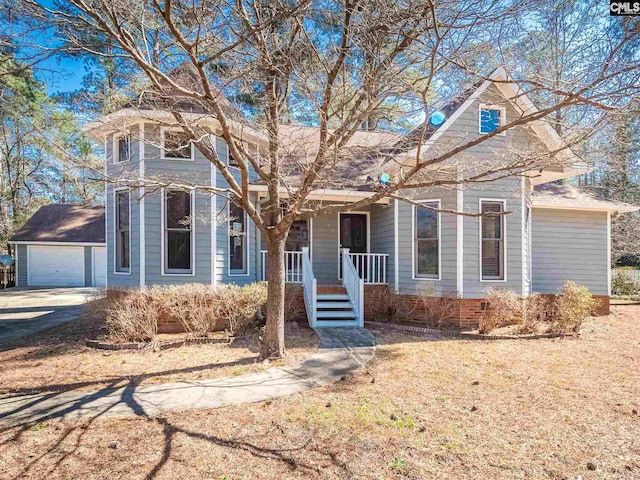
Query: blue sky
(61, 75)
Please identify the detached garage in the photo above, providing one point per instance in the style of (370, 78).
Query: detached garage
(62, 246)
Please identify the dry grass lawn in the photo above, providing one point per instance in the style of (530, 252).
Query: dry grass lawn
(57, 360)
(425, 408)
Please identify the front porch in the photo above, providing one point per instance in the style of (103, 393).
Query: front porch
(333, 257)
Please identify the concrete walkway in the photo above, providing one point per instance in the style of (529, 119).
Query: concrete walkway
(343, 350)
(25, 311)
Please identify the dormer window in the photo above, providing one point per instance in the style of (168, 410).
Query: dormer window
(176, 145)
(122, 148)
(491, 118)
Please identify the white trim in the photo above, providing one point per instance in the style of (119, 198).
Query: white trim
(106, 206)
(163, 220)
(608, 262)
(174, 159)
(115, 220)
(248, 245)
(503, 116)
(523, 230)
(396, 252)
(143, 240)
(214, 230)
(354, 212)
(504, 240)
(413, 241)
(460, 242)
(626, 209)
(323, 194)
(115, 149)
(68, 244)
(17, 268)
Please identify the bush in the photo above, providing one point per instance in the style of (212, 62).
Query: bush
(132, 315)
(439, 310)
(622, 286)
(504, 307)
(573, 304)
(538, 309)
(388, 306)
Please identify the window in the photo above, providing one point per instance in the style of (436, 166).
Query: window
(122, 224)
(178, 232)
(232, 161)
(237, 240)
(426, 242)
(176, 145)
(298, 236)
(492, 243)
(491, 118)
(122, 149)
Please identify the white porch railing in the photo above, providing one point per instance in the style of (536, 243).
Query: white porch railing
(292, 266)
(371, 267)
(354, 285)
(309, 288)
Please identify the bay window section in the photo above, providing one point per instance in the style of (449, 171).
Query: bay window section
(123, 231)
(178, 233)
(492, 240)
(426, 241)
(237, 240)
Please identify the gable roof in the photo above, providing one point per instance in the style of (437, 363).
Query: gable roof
(554, 195)
(64, 223)
(521, 101)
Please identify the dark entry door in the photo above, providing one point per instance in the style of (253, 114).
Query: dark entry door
(353, 232)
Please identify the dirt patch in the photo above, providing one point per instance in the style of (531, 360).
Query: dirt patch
(58, 360)
(426, 407)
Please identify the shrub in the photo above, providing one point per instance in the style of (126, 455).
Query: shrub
(388, 306)
(573, 304)
(538, 309)
(504, 307)
(239, 306)
(439, 310)
(132, 315)
(622, 285)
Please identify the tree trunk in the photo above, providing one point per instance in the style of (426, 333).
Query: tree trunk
(273, 341)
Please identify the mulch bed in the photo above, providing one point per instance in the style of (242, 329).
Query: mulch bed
(157, 345)
(467, 335)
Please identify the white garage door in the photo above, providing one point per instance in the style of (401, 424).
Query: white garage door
(99, 266)
(50, 266)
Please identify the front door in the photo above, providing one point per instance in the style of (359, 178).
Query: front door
(353, 232)
(353, 235)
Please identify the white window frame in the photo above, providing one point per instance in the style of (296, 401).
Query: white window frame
(174, 159)
(247, 249)
(503, 117)
(414, 275)
(163, 235)
(504, 240)
(115, 231)
(116, 148)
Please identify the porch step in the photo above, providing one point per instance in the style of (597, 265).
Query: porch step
(335, 305)
(341, 314)
(327, 297)
(336, 323)
(331, 290)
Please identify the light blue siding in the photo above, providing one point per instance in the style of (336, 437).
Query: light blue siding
(21, 272)
(570, 245)
(88, 267)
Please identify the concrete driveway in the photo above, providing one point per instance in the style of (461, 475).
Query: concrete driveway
(24, 311)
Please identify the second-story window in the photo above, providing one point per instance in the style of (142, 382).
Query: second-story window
(176, 145)
(122, 148)
(491, 118)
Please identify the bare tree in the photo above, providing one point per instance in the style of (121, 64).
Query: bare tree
(337, 67)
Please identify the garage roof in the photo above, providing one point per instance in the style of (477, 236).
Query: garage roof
(58, 223)
(553, 195)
